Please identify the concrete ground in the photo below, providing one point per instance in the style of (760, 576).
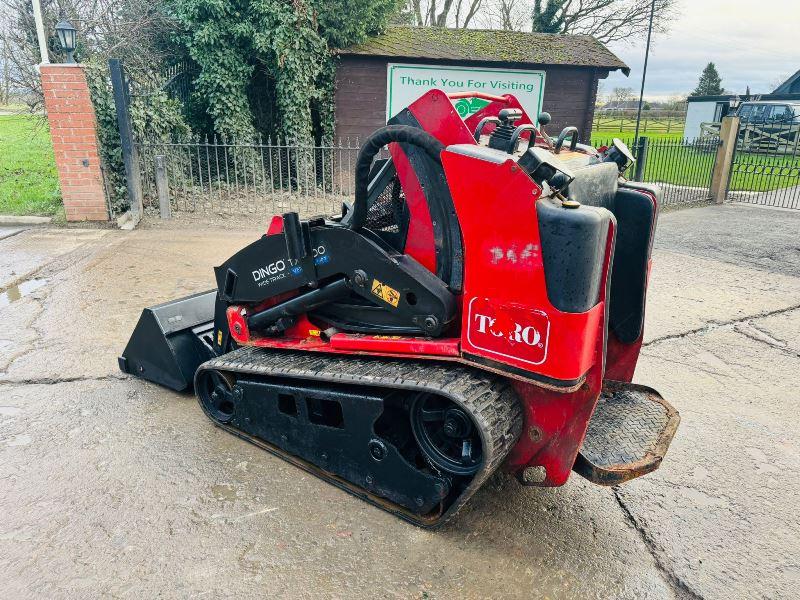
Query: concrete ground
(110, 486)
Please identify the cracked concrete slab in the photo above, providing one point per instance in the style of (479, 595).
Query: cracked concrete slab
(6, 232)
(718, 264)
(24, 254)
(95, 294)
(737, 234)
(112, 486)
(780, 330)
(687, 293)
(721, 512)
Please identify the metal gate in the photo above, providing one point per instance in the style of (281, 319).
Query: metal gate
(174, 81)
(766, 163)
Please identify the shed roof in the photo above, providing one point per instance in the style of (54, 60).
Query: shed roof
(791, 85)
(745, 98)
(489, 46)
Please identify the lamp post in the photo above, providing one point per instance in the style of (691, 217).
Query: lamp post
(37, 18)
(66, 36)
(644, 74)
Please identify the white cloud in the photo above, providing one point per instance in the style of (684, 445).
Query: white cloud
(751, 43)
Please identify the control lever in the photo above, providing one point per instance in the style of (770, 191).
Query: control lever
(505, 117)
(501, 136)
(544, 119)
(510, 115)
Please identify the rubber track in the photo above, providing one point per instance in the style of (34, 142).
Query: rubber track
(489, 399)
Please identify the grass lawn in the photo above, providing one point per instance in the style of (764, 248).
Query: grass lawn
(605, 128)
(28, 177)
(671, 160)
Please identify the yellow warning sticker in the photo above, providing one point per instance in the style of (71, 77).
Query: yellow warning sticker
(314, 332)
(385, 293)
(219, 337)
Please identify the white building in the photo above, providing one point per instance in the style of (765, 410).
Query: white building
(706, 109)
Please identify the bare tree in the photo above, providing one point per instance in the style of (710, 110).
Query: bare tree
(464, 17)
(513, 15)
(611, 20)
(453, 13)
(621, 95)
(606, 20)
(677, 103)
(129, 29)
(5, 49)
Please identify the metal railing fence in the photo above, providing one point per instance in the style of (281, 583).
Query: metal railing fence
(174, 79)
(682, 168)
(266, 177)
(766, 163)
(255, 177)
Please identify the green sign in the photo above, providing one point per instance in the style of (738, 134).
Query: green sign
(407, 82)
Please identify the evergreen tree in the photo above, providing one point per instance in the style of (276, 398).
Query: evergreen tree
(710, 83)
(547, 19)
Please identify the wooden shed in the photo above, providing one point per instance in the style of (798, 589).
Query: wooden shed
(555, 73)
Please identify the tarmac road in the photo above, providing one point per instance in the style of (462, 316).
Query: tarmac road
(110, 486)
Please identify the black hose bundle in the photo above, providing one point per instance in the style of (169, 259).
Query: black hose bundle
(403, 134)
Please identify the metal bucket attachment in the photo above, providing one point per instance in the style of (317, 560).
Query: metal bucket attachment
(171, 340)
(629, 434)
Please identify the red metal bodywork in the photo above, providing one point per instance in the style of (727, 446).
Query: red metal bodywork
(555, 360)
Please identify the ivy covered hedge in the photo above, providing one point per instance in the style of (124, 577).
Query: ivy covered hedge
(265, 66)
(155, 116)
(262, 67)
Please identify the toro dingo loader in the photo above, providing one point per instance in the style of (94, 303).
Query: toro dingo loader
(479, 305)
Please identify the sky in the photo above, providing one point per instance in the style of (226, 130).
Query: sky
(751, 42)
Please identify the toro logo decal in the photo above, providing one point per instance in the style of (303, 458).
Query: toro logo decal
(510, 331)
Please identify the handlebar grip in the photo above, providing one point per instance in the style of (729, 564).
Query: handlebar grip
(563, 136)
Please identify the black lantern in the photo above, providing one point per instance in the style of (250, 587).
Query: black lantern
(66, 35)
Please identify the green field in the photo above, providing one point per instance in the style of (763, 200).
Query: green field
(28, 177)
(605, 128)
(671, 160)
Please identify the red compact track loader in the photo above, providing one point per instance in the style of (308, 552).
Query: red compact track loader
(480, 304)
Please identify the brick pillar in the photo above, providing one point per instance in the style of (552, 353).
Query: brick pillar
(73, 130)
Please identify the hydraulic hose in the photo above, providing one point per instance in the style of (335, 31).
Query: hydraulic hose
(385, 135)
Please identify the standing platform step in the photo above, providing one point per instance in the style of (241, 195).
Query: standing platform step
(629, 434)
